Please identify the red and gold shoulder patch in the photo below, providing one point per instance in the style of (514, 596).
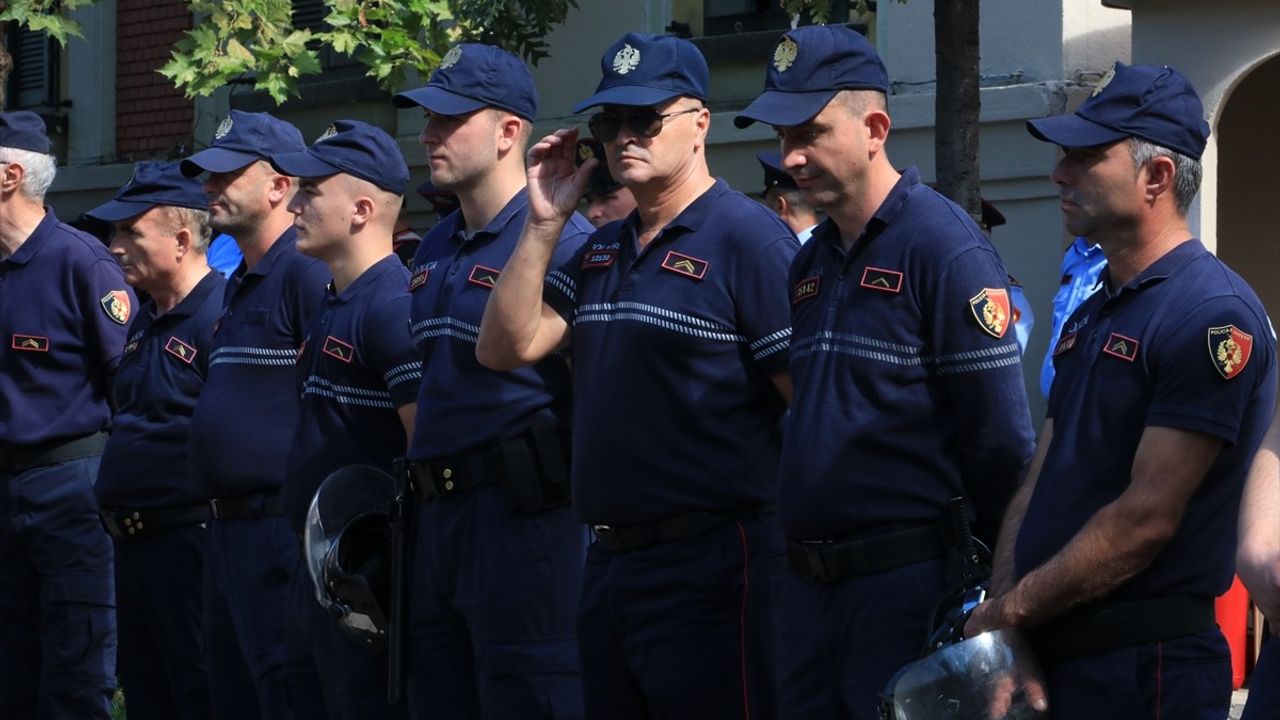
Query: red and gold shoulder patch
(29, 343)
(179, 349)
(485, 277)
(685, 265)
(116, 305)
(992, 311)
(806, 289)
(1229, 348)
(880, 279)
(1121, 346)
(333, 347)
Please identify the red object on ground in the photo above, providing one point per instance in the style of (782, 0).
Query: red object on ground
(1232, 612)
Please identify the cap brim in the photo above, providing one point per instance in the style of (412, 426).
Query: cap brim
(784, 109)
(303, 165)
(630, 95)
(114, 211)
(438, 100)
(217, 160)
(1073, 131)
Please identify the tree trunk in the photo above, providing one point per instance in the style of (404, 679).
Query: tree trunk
(955, 34)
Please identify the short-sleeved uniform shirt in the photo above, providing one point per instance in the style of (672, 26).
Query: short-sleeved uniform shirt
(908, 384)
(462, 405)
(246, 415)
(64, 313)
(166, 360)
(1185, 344)
(674, 348)
(356, 366)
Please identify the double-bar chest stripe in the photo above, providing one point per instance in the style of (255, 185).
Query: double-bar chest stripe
(401, 374)
(977, 367)
(561, 281)
(233, 355)
(312, 388)
(661, 317)
(445, 326)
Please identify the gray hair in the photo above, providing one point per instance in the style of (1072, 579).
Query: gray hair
(197, 221)
(39, 168)
(1186, 170)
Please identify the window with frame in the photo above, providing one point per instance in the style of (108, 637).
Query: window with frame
(33, 82)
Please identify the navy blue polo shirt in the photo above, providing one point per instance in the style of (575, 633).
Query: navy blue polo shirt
(1185, 344)
(462, 405)
(166, 359)
(674, 348)
(64, 313)
(357, 365)
(249, 408)
(908, 384)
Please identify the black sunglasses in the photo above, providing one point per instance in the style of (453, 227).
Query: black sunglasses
(645, 122)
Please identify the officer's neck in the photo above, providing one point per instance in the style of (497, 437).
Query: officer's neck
(19, 217)
(189, 274)
(258, 240)
(1130, 253)
(863, 198)
(661, 202)
(482, 202)
(354, 258)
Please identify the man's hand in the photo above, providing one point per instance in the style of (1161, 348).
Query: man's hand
(993, 614)
(556, 182)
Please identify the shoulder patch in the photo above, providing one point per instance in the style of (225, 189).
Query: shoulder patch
(805, 289)
(992, 311)
(1121, 346)
(880, 279)
(29, 343)
(1229, 348)
(686, 265)
(333, 347)
(116, 305)
(179, 349)
(485, 277)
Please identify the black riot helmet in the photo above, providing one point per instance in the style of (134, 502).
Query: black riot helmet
(348, 547)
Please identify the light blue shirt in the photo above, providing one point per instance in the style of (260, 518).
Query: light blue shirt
(1082, 264)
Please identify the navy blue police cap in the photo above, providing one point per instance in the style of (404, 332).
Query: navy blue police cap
(243, 138)
(24, 130)
(774, 174)
(641, 70)
(352, 147)
(473, 76)
(809, 66)
(1155, 103)
(153, 184)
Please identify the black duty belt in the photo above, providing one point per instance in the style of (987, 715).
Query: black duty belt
(625, 538)
(15, 458)
(250, 506)
(438, 479)
(1109, 626)
(831, 560)
(126, 524)
(539, 450)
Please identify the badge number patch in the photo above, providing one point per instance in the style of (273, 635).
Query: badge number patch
(992, 311)
(30, 343)
(1121, 346)
(1229, 348)
(180, 350)
(875, 278)
(485, 277)
(685, 265)
(116, 305)
(598, 259)
(1065, 343)
(333, 347)
(418, 279)
(806, 289)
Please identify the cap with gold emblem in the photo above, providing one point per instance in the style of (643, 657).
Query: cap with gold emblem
(641, 70)
(472, 76)
(242, 138)
(351, 147)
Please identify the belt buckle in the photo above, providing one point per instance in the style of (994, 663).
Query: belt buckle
(213, 508)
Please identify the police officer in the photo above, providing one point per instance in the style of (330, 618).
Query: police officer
(497, 555)
(782, 196)
(359, 374)
(64, 308)
(1124, 531)
(678, 323)
(246, 415)
(149, 501)
(908, 389)
(605, 199)
(1258, 563)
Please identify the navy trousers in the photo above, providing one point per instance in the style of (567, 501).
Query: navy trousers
(159, 582)
(57, 596)
(329, 675)
(840, 642)
(1264, 687)
(491, 610)
(681, 629)
(246, 594)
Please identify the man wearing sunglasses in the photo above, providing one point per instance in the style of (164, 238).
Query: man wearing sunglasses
(908, 390)
(497, 557)
(679, 325)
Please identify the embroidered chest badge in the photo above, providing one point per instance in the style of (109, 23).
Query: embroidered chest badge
(1229, 348)
(805, 289)
(685, 265)
(419, 278)
(333, 347)
(992, 311)
(180, 350)
(485, 277)
(30, 343)
(599, 258)
(1065, 343)
(116, 305)
(1121, 346)
(875, 278)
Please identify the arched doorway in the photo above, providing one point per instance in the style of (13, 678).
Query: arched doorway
(1249, 182)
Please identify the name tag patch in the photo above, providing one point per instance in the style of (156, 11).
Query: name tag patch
(685, 265)
(875, 278)
(30, 343)
(419, 278)
(806, 289)
(334, 347)
(485, 277)
(180, 350)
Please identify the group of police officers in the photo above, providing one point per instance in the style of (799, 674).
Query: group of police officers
(679, 466)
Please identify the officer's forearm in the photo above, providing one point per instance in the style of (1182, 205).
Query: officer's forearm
(1258, 557)
(512, 332)
(1002, 561)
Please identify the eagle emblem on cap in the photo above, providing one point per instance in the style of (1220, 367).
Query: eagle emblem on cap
(451, 58)
(223, 128)
(1104, 82)
(784, 56)
(328, 132)
(626, 60)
